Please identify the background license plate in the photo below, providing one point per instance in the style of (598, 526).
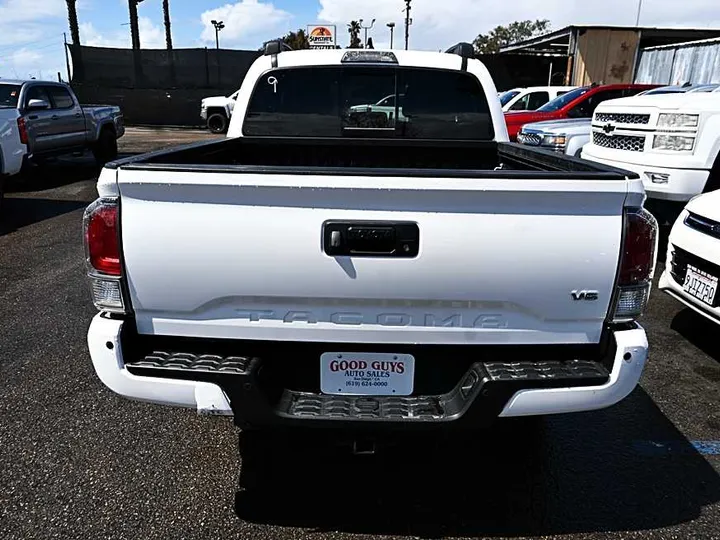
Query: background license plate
(367, 374)
(701, 285)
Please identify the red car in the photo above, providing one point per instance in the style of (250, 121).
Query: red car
(578, 103)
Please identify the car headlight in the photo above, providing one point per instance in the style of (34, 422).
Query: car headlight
(554, 140)
(678, 120)
(676, 143)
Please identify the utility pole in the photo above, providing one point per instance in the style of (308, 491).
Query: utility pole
(219, 25)
(391, 26)
(407, 24)
(366, 28)
(637, 22)
(67, 59)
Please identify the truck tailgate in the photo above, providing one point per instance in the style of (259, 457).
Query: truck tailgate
(241, 255)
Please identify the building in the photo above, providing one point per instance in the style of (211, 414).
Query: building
(697, 62)
(601, 54)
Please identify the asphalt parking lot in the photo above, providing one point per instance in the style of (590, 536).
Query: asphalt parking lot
(77, 461)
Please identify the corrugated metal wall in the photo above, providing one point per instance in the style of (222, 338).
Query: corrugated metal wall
(697, 63)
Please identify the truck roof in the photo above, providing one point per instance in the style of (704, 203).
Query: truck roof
(323, 57)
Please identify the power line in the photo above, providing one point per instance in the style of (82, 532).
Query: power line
(23, 45)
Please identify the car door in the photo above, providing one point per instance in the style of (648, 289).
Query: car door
(39, 122)
(68, 120)
(586, 107)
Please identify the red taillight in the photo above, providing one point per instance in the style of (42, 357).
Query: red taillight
(637, 265)
(640, 244)
(101, 237)
(22, 129)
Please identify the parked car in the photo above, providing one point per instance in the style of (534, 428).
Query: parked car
(693, 258)
(671, 141)
(531, 99)
(307, 271)
(12, 150)
(578, 103)
(48, 121)
(567, 136)
(216, 111)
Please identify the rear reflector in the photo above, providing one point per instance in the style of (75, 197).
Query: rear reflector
(101, 237)
(637, 265)
(107, 295)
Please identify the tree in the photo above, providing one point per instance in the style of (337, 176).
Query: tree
(354, 30)
(166, 16)
(501, 36)
(134, 23)
(73, 20)
(296, 40)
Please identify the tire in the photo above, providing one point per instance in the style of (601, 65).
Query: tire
(217, 123)
(2, 197)
(106, 148)
(713, 181)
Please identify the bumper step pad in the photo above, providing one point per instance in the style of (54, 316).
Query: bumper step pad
(477, 399)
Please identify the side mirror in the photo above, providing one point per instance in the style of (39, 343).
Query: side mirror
(37, 105)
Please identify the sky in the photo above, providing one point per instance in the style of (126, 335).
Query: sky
(31, 31)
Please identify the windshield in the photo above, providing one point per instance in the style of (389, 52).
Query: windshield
(507, 96)
(369, 101)
(9, 95)
(560, 101)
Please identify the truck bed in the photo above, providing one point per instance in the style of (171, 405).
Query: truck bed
(380, 157)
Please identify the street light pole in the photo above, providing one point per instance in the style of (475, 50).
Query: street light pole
(637, 22)
(407, 24)
(366, 28)
(391, 26)
(219, 25)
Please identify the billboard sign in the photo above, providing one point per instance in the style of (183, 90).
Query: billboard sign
(321, 36)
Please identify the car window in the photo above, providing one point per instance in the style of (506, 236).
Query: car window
(507, 96)
(338, 101)
(586, 108)
(537, 100)
(521, 104)
(9, 95)
(561, 101)
(387, 102)
(61, 98)
(37, 92)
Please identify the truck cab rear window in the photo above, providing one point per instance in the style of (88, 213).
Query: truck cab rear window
(361, 101)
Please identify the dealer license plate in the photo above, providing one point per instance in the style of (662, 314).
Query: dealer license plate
(367, 374)
(701, 285)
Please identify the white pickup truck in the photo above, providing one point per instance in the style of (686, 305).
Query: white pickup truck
(216, 112)
(318, 269)
(671, 141)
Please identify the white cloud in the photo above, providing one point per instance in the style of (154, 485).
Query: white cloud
(151, 36)
(247, 23)
(437, 24)
(12, 11)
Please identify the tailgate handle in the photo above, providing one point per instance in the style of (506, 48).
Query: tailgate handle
(371, 239)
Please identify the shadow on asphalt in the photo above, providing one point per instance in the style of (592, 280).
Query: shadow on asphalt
(20, 212)
(623, 469)
(699, 331)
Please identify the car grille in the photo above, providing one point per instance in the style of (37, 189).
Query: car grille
(704, 225)
(531, 139)
(623, 118)
(631, 143)
(680, 261)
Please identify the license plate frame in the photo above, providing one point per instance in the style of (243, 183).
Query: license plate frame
(367, 374)
(701, 285)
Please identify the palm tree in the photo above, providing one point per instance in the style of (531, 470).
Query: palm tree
(166, 15)
(73, 20)
(134, 23)
(354, 29)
